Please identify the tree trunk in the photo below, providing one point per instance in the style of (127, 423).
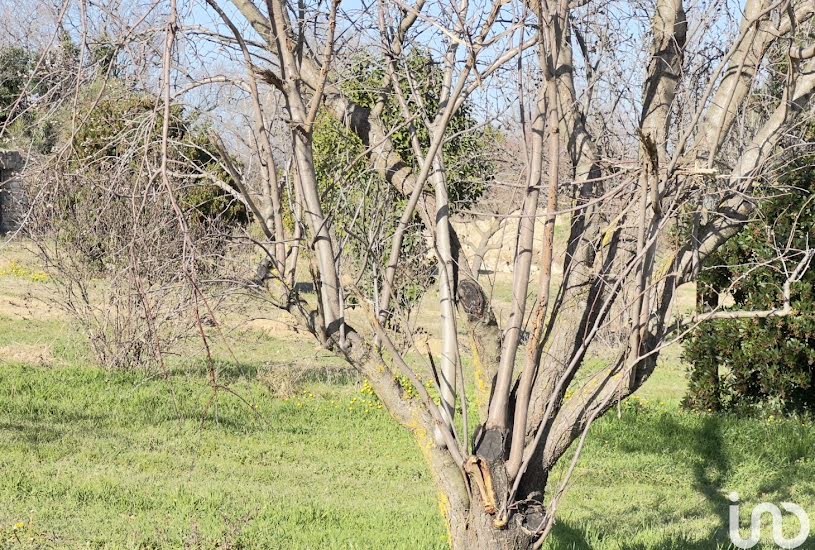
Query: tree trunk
(485, 523)
(474, 529)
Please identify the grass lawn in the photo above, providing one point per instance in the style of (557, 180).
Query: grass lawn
(116, 460)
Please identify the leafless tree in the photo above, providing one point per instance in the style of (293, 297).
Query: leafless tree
(648, 132)
(697, 132)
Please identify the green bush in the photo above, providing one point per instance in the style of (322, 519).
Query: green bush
(31, 84)
(468, 150)
(769, 363)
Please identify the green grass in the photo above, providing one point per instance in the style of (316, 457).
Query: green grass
(114, 460)
(659, 478)
(57, 337)
(123, 461)
(117, 460)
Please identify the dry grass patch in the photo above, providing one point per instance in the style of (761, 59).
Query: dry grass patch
(29, 354)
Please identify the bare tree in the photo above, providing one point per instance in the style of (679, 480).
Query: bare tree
(653, 158)
(694, 138)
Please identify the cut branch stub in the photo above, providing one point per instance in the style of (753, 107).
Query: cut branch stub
(491, 444)
(472, 299)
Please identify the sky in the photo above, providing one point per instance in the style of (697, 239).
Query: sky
(623, 22)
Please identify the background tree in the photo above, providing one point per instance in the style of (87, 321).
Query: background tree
(347, 182)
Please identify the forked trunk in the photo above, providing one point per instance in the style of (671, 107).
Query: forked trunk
(481, 526)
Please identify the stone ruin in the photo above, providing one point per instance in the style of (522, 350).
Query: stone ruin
(12, 196)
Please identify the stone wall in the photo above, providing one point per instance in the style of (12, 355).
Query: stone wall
(12, 195)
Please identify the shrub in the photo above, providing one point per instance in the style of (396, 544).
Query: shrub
(118, 252)
(770, 362)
